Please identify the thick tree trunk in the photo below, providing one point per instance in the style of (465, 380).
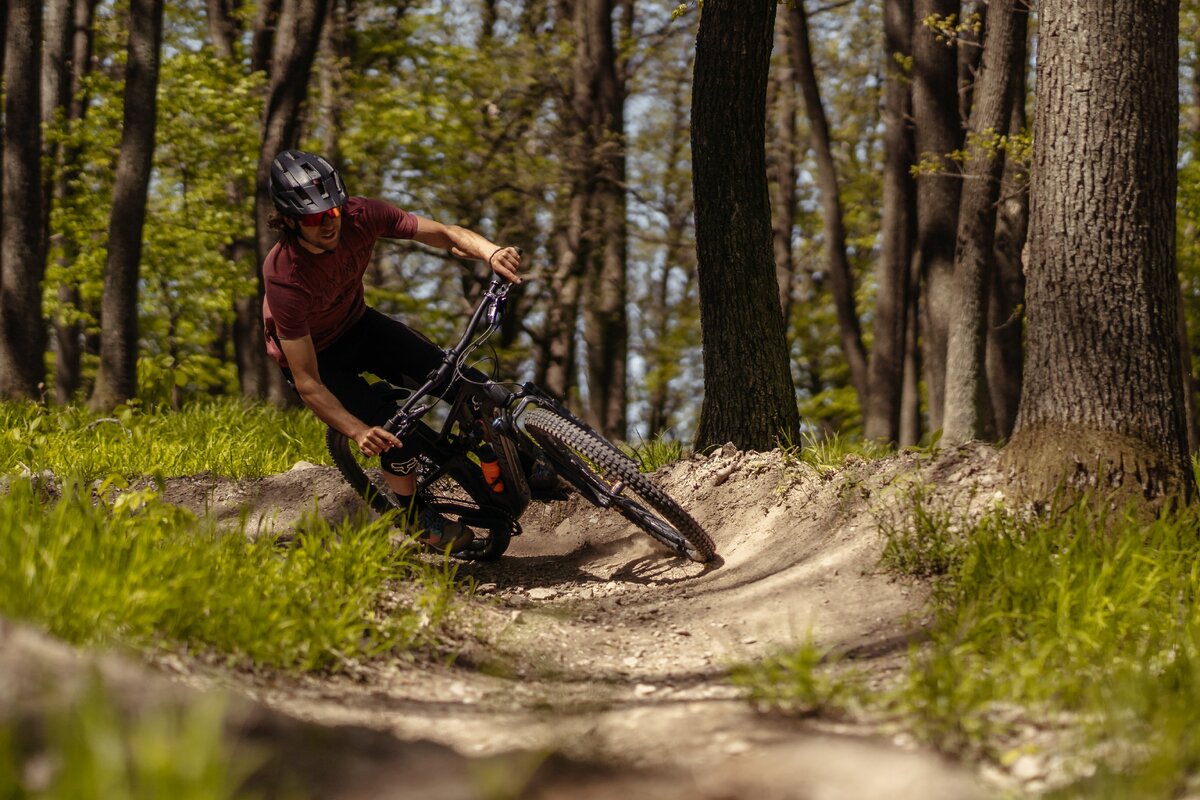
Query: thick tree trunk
(1102, 404)
(22, 263)
(939, 133)
(841, 278)
(295, 49)
(749, 399)
(881, 419)
(968, 412)
(116, 380)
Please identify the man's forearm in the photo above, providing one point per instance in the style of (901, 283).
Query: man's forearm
(330, 410)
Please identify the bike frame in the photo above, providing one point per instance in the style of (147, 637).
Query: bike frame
(474, 400)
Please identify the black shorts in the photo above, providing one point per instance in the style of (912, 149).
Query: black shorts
(388, 349)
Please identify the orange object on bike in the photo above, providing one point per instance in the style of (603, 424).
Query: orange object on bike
(491, 468)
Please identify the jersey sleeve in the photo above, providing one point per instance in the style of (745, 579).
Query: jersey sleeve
(388, 221)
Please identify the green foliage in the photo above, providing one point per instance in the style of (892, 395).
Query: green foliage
(1084, 624)
(830, 450)
(128, 567)
(1092, 612)
(656, 453)
(96, 752)
(798, 682)
(227, 437)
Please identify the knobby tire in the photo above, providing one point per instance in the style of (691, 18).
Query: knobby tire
(576, 449)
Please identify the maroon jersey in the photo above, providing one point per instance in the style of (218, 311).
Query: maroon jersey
(321, 294)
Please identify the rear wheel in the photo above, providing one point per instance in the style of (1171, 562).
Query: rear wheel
(585, 458)
(492, 527)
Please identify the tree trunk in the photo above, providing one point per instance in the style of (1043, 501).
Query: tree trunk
(68, 372)
(1102, 403)
(22, 263)
(968, 412)
(295, 49)
(1006, 308)
(749, 399)
(881, 416)
(116, 379)
(938, 134)
(599, 101)
(222, 27)
(782, 150)
(841, 278)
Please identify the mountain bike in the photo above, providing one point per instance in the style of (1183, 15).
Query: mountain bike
(497, 447)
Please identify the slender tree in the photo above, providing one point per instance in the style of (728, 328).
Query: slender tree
(599, 94)
(841, 278)
(968, 412)
(748, 395)
(1102, 402)
(881, 418)
(116, 380)
(68, 375)
(22, 264)
(939, 133)
(295, 47)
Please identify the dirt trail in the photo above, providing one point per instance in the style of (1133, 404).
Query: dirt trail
(593, 643)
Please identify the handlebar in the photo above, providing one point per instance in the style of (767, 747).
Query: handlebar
(491, 307)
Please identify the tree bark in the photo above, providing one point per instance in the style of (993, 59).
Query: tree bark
(22, 262)
(841, 277)
(881, 418)
(939, 133)
(748, 399)
(1102, 403)
(968, 412)
(782, 150)
(68, 373)
(116, 379)
(599, 100)
(295, 49)
(1006, 308)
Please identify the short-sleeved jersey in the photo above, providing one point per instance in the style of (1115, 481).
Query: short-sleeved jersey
(321, 294)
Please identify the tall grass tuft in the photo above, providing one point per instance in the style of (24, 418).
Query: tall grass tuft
(653, 454)
(228, 437)
(133, 569)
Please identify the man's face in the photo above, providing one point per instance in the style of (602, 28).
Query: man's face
(323, 237)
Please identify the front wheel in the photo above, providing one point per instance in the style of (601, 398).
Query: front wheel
(586, 459)
(446, 495)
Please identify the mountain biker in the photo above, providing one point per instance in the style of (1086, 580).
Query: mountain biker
(324, 336)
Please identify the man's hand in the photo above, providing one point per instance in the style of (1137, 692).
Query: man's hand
(505, 262)
(373, 441)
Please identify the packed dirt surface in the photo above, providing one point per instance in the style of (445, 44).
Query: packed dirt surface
(593, 663)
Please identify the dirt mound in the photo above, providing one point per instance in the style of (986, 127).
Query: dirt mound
(592, 642)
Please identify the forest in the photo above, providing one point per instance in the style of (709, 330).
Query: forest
(895, 301)
(562, 128)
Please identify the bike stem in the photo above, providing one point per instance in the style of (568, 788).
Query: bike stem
(490, 305)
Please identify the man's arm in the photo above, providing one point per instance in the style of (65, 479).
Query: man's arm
(302, 361)
(467, 244)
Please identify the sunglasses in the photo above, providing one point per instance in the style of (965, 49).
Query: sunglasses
(313, 220)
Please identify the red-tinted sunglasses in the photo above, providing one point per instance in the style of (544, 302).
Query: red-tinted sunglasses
(313, 220)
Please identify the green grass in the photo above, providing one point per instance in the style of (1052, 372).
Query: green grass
(89, 750)
(830, 451)
(1090, 617)
(653, 454)
(228, 437)
(132, 569)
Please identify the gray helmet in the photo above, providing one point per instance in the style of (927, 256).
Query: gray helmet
(303, 183)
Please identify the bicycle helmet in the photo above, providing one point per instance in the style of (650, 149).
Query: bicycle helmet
(303, 183)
